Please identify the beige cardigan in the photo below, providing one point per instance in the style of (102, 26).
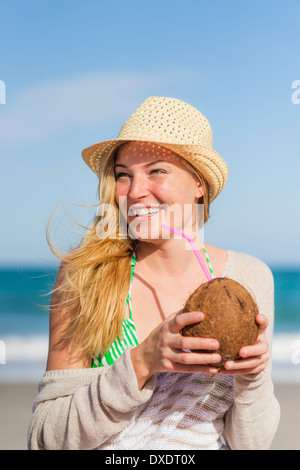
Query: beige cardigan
(104, 409)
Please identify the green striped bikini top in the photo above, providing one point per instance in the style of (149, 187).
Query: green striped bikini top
(129, 337)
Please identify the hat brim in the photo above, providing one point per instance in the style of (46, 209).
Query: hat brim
(206, 160)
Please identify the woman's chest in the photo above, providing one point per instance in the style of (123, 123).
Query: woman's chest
(152, 303)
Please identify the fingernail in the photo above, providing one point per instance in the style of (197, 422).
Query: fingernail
(213, 344)
(216, 358)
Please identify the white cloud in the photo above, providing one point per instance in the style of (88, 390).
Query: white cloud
(69, 103)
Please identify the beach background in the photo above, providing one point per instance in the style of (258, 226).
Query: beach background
(71, 72)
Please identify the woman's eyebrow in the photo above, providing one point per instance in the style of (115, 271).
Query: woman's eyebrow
(146, 164)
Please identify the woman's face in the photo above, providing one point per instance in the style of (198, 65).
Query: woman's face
(153, 187)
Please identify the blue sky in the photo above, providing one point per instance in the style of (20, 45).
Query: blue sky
(75, 70)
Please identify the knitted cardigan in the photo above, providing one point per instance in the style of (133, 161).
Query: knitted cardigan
(103, 408)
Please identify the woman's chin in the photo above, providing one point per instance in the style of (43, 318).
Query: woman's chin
(145, 233)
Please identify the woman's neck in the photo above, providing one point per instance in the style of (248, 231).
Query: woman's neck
(172, 257)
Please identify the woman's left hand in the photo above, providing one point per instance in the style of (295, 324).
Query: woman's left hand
(254, 358)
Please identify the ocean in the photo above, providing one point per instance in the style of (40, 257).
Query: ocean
(24, 324)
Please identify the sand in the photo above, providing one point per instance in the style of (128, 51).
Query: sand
(16, 403)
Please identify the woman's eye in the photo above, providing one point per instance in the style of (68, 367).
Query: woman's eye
(122, 174)
(119, 175)
(158, 170)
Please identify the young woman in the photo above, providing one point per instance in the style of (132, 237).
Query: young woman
(120, 375)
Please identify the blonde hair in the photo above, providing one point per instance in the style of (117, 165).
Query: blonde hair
(96, 274)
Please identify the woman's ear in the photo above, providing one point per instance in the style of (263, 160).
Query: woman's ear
(200, 190)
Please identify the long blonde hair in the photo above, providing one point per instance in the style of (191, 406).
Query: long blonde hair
(96, 277)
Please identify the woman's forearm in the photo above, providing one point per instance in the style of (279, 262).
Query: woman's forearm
(81, 409)
(252, 421)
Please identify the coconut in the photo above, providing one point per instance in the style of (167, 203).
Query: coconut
(229, 317)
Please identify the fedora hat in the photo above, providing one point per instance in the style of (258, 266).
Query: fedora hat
(175, 125)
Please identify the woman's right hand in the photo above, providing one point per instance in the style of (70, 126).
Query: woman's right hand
(163, 349)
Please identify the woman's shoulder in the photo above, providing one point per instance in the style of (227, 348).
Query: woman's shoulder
(255, 275)
(246, 263)
(239, 265)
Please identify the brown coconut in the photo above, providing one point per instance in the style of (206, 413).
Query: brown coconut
(229, 317)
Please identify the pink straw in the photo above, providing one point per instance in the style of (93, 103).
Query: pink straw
(193, 246)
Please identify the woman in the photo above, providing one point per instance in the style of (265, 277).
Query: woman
(120, 375)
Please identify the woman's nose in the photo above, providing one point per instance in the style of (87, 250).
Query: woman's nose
(138, 188)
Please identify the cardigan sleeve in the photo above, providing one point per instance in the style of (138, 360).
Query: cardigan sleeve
(252, 420)
(82, 408)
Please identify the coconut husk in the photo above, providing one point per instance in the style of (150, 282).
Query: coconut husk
(229, 317)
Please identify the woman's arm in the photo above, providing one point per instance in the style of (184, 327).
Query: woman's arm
(252, 421)
(62, 354)
(79, 407)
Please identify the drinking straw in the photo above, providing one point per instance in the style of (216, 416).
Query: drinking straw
(208, 276)
(208, 262)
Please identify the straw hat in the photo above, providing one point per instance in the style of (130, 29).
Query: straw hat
(175, 125)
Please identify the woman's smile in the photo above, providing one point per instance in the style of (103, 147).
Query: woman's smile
(144, 213)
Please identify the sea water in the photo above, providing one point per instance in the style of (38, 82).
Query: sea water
(24, 323)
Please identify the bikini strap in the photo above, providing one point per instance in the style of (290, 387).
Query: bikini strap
(128, 300)
(208, 262)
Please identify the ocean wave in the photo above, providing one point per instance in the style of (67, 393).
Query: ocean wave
(286, 348)
(26, 348)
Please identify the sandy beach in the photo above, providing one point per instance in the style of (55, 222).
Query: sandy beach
(16, 403)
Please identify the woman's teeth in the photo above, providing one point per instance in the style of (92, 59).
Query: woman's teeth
(141, 212)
